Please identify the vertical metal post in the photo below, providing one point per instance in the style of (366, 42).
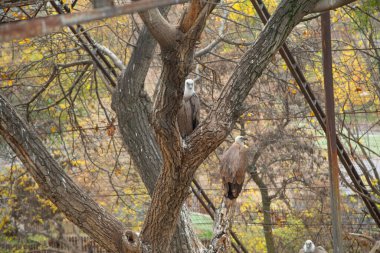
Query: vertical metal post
(331, 134)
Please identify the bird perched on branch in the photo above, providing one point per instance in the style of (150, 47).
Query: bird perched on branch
(309, 247)
(188, 115)
(233, 166)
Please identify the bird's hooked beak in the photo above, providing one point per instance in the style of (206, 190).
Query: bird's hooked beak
(245, 140)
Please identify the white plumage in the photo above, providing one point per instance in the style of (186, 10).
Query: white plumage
(309, 247)
(189, 114)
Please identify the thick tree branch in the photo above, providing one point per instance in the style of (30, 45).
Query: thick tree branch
(223, 116)
(195, 30)
(165, 33)
(58, 186)
(325, 5)
(190, 15)
(220, 241)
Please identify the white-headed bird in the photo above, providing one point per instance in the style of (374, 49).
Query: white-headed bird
(233, 166)
(309, 247)
(188, 115)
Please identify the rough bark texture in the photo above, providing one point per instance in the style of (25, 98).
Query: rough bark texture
(133, 108)
(324, 5)
(266, 202)
(376, 248)
(221, 242)
(163, 214)
(180, 163)
(58, 186)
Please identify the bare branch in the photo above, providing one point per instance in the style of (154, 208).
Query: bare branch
(325, 5)
(215, 42)
(116, 60)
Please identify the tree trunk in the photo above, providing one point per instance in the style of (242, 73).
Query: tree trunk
(133, 108)
(266, 202)
(180, 163)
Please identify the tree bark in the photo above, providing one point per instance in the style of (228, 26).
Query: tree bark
(180, 163)
(133, 108)
(58, 186)
(266, 202)
(175, 165)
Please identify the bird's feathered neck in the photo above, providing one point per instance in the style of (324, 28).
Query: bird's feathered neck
(188, 92)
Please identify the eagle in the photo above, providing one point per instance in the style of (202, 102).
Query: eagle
(309, 247)
(233, 166)
(188, 115)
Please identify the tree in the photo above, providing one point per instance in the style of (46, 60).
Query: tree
(166, 167)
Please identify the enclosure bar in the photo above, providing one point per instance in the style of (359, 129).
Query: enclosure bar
(320, 116)
(81, 30)
(86, 47)
(331, 133)
(204, 194)
(46, 25)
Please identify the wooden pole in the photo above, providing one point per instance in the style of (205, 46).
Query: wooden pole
(331, 133)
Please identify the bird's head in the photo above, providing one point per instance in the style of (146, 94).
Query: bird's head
(240, 140)
(189, 88)
(309, 246)
(189, 84)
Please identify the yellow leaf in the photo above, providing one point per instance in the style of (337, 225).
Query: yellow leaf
(24, 41)
(53, 129)
(63, 106)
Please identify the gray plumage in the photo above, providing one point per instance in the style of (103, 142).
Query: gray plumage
(233, 166)
(309, 247)
(189, 114)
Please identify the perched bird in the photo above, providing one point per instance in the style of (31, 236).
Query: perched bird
(188, 115)
(309, 247)
(233, 166)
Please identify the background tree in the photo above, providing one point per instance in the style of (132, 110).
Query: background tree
(152, 149)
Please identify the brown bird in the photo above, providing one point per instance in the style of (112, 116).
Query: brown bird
(309, 247)
(233, 166)
(188, 115)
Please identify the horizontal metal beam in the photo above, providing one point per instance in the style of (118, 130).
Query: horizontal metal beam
(45, 25)
(18, 3)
